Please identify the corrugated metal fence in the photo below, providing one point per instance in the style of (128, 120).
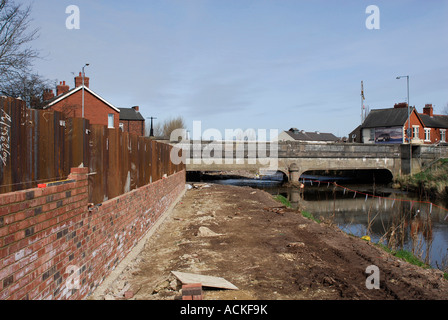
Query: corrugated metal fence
(38, 146)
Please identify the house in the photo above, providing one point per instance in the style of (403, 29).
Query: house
(391, 125)
(435, 125)
(355, 135)
(69, 101)
(132, 121)
(295, 134)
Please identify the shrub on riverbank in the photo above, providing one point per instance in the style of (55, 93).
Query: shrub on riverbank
(433, 181)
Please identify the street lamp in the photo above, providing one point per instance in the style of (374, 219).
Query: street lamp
(83, 75)
(409, 124)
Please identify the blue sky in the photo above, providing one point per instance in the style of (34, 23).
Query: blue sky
(260, 64)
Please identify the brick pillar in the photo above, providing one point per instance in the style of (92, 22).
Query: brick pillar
(78, 174)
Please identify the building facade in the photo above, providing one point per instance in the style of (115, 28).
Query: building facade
(393, 125)
(132, 121)
(69, 101)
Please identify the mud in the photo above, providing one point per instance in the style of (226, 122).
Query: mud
(267, 251)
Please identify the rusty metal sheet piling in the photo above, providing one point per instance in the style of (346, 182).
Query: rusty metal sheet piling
(40, 146)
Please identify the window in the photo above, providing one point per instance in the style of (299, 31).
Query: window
(443, 135)
(110, 122)
(121, 125)
(415, 132)
(427, 134)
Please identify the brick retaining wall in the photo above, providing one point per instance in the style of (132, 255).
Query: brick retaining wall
(53, 247)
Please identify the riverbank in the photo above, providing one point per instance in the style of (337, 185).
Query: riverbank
(268, 251)
(432, 183)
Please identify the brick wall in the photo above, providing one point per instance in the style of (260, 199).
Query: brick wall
(136, 127)
(53, 247)
(415, 121)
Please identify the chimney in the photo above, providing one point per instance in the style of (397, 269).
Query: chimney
(428, 110)
(401, 105)
(135, 108)
(78, 81)
(62, 88)
(48, 94)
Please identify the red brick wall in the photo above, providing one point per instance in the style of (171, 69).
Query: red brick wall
(416, 121)
(47, 232)
(137, 127)
(95, 110)
(434, 135)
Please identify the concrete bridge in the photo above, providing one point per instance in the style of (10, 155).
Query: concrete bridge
(294, 158)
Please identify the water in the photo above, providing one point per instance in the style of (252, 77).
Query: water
(393, 218)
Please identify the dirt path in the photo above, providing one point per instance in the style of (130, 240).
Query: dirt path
(266, 254)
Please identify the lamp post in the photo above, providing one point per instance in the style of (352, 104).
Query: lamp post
(409, 124)
(83, 75)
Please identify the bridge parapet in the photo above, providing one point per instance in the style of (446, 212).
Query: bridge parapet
(298, 157)
(290, 149)
(286, 149)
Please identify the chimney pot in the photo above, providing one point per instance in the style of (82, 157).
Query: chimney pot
(62, 88)
(78, 81)
(428, 110)
(401, 105)
(135, 108)
(48, 94)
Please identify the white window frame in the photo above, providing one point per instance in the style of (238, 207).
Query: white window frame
(110, 117)
(443, 135)
(427, 134)
(415, 132)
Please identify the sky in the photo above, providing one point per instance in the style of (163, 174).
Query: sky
(258, 64)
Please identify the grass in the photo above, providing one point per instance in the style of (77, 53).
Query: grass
(405, 255)
(409, 257)
(310, 216)
(283, 200)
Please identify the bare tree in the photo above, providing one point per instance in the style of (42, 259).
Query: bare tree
(445, 109)
(28, 87)
(172, 124)
(165, 128)
(16, 55)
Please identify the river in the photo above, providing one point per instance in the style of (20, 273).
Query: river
(389, 216)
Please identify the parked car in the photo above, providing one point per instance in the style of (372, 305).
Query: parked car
(383, 137)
